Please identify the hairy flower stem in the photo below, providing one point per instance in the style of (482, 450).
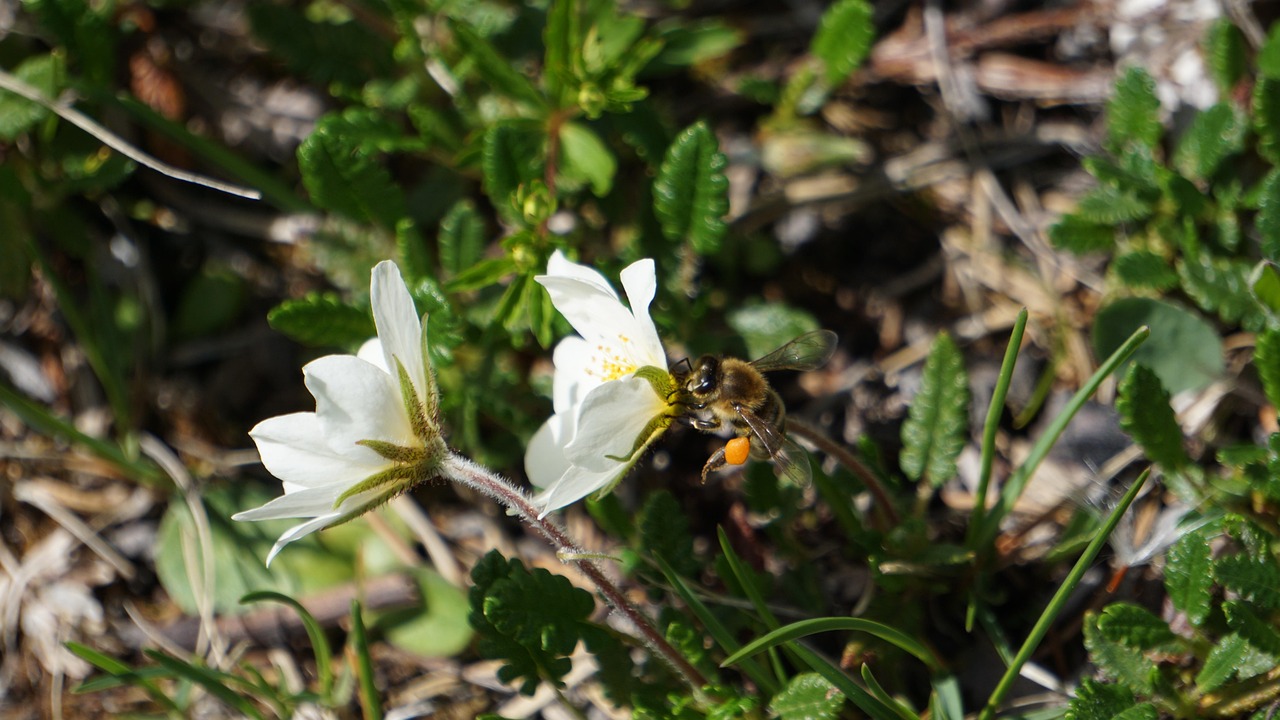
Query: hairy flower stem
(884, 503)
(463, 470)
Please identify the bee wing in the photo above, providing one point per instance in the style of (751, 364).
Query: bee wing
(789, 459)
(810, 351)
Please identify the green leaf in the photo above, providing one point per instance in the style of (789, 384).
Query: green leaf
(689, 43)
(1224, 658)
(936, 429)
(89, 31)
(215, 682)
(1075, 234)
(807, 697)
(843, 38)
(412, 251)
(1133, 113)
(1145, 414)
(1225, 54)
(514, 154)
(804, 628)
(326, 52)
(494, 70)
(482, 274)
(1184, 351)
(1124, 664)
(1221, 285)
(211, 302)
(1142, 711)
(370, 698)
(768, 326)
(1268, 219)
(46, 73)
(1264, 281)
(462, 238)
(315, 633)
(1254, 578)
(1266, 358)
(691, 193)
(1134, 626)
(1269, 55)
(529, 620)
(1259, 632)
(1266, 117)
(1144, 269)
(1098, 701)
(322, 320)
(561, 38)
(1214, 135)
(345, 177)
(664, 531)
(1110, 205)
(585, 158)
(436, 626)
(1188, 576)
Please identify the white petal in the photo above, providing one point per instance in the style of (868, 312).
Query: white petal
(611, 421)
(561, 266)
(544, 458)
(575, 484)
(399, 325)
(596, 313)
(293, 448)
(574, 377)
(311, 502)
(299, 531)
(351, 507)
(641, 283)
(356, 401)
(372, 353)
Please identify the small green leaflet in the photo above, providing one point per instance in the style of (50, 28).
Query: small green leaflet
(1222, 662)
(1145, 414)
(1074, 233)
(46, 73)
(344, 177)
(1224, 52)
(1266, 358)
(691, 192)
(1214, 135)
(461, 239)
(1124, 664)
(494, 70)
(1134, 626)
(1269, 55)
(1254, 579)
(1098, 701)
(1188, 576)
(1266, 117)
(1133, 113)
(1268, 219)
(514, 154)
(585, 158)
(934, 433)
(807, 697)
(322, 320)
(843, 38)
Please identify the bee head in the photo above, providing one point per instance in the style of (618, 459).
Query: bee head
(705, 376)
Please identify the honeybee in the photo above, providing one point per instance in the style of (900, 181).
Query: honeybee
(720, 392)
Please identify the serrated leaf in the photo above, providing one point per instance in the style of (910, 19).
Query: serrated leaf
(1098, 701)
(1145, 414)
(843, 38)
(1188, 576)
(935, 431)
(1269, 55)
(585, 158)
(461, 239)
(514, 154)
(1110, 205)
(1125, 665)
(1222, 662)
(1225, 54)
(1075, 234)
(412, 251)
(1134, 626)
(1215, 134)
(530, 621)
(1266, 358)
(1253, 578)
(1266, 117)
(322, 319)
(1133, 112)
(1142, 711)
(1221, 285)
(344, 178)
(1264, 281)
(46, 73)
(808, 696)
(495, 70)
(1258, 632)
(1268, 220)
(664, 531)
(1144, 269)
(326, 52)
(691, 192)
(561, 38)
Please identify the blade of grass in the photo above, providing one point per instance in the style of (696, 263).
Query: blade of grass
(214, 682)
(984, 537)
(319, 643)
(752, 592)
(371, 708)
(124, 672)
(1059, 600)
(865, 701)
(946, 703)
(877, 690)
(718, 631)
(804, 628)
(992, 425)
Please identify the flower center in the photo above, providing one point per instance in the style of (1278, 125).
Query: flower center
(608, 362)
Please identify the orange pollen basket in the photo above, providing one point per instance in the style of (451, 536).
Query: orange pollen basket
(736, 450)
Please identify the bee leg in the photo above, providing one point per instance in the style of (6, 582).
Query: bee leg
(715, 462)
(704, 425)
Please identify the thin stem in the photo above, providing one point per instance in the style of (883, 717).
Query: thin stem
(849, 460)
(486, 481)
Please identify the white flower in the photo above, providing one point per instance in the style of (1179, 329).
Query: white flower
(611, 386)
(374, 433)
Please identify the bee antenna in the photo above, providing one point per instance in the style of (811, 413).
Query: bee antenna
(688, 366)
